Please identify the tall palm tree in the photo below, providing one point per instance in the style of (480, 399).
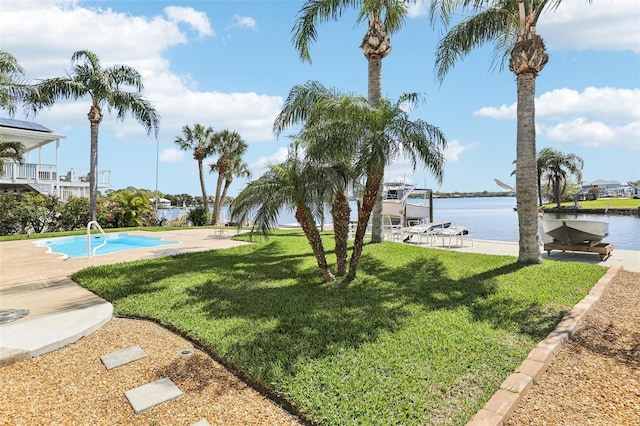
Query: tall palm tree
(11, 149)
(106, 88)
(383, 17)
(13, 88)
(511, 26)
(558, 167)
(238, 169)
(293, 184)
(200, 140)
(229, 146)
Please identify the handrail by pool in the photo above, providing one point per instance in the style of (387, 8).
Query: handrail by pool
(104, 237)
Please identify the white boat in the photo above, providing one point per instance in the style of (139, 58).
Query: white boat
(405, 204)
(576, 231)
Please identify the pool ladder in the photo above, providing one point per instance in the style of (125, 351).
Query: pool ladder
(97, 226)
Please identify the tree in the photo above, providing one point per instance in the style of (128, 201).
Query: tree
(338, 163)
(558, 167)
(200, 140)
(511, 25)
(13, 88)
(293, 184)
(130, 207)
(107, 88)
(12, 150)
(349, 127)
(238, 169)
(383, 17)
(230, 146)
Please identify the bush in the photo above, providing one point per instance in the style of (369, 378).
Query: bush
(198, 216)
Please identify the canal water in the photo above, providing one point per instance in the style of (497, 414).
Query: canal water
(494, 218)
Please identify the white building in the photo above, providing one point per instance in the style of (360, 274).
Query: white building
(34, 174)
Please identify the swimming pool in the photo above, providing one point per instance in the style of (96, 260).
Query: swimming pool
(76, 246)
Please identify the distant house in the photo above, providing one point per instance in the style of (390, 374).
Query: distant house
(610, 189)
(38, 176)
(163, 203)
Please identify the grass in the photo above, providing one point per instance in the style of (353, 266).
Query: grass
(422, 336)
(602, 203)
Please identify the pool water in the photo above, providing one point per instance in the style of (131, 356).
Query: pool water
(76, 246)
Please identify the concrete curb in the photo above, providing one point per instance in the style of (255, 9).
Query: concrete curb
(31, 338)
(504, 402)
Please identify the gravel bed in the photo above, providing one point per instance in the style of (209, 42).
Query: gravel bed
(71, 386)
(594, 379)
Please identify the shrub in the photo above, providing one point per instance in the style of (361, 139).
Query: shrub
(198, 216)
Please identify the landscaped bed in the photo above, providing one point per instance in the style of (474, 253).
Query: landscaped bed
(421, 336)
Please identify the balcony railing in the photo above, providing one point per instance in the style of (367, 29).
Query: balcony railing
(33, 173)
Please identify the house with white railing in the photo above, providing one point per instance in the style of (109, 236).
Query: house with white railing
(35, 175)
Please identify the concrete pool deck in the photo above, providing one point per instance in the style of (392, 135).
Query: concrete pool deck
(61, 312)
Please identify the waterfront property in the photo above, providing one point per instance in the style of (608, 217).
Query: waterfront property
(34, 174)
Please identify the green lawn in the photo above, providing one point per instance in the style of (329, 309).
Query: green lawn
(602, 203)
(422, 336)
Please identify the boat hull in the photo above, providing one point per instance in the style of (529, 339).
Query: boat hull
(575, 231)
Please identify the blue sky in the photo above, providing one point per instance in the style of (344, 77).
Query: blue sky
(230, 65)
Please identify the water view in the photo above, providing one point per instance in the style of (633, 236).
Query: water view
(491, 218)
(494, 218)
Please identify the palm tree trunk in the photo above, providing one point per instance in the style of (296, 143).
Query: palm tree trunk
(368, 200)
(374, 96)
(205, 201)
(95, 117)
(305, 219)
(218, 199)
(526, 171)
(341, 213)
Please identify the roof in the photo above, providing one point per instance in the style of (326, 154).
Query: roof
(32, 135)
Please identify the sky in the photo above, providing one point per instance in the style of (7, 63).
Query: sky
(231, 64)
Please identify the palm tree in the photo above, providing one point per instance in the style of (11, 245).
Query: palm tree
(384, 17)
(12, 150)
(511, 25)
(300, 108)
(105, 88)
(558, 167)
(200, 140)
(238, 169)
(293, 184)
(230, 146)
(387, 134)
(13, 88)
(369, 136)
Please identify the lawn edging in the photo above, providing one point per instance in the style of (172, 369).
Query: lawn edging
(503, 403)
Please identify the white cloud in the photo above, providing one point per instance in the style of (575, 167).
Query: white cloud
(595, 134)
(455, 149)
(595, 117)
(140, 43)
(599, 25)
(171, 155)
(579, 24)
(196, 20)
(258, 166)
(244, 22)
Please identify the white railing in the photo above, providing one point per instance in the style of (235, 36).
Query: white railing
(97, 226)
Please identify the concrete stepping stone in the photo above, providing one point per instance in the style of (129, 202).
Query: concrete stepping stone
(149, 395)
(122, 357)
(202, 422)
